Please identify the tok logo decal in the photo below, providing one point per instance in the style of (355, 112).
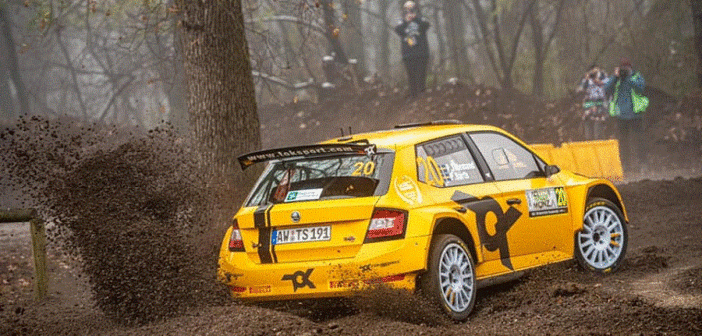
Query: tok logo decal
(300, 279)
(481, 207)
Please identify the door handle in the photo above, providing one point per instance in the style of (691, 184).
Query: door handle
(513, 201)
(460, 209)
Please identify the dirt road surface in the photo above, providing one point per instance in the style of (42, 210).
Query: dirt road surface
(658, 291)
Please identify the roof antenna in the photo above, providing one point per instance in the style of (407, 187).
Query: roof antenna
(349, 130)
(342, 131)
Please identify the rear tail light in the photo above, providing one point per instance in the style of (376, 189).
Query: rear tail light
(236, 244)
(386, 224)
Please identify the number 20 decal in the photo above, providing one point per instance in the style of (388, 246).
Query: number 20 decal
(561, 199)
(366, 169)
(432, 172)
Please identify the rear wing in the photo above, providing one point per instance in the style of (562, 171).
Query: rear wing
(252, 158)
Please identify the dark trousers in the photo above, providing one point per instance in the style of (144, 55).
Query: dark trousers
(631, 143)
(416, 74)
(593, 129)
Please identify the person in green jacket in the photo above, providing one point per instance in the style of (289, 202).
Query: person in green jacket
(628, 105)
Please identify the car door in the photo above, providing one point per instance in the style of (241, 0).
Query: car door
(543, 229)
(455, 180)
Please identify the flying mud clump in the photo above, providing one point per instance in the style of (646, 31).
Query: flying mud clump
(130, 205)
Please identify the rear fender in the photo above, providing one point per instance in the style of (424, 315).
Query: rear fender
(446, 221)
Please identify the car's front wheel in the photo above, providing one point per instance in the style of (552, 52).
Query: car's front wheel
(450, 277)
(601, 244)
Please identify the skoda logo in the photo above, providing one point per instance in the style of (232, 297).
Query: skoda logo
(295, 216)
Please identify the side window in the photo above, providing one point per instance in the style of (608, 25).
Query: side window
(507, 159)
(446, 163)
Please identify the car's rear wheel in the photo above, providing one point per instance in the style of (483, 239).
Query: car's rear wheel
(450, 277)
(601, 244)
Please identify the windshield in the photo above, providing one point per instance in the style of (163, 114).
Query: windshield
(323, 178)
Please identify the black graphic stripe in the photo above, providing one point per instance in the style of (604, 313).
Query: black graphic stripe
(260, 217)
(268, 218)
(264, 234)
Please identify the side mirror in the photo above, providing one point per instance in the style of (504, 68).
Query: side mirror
(551, 170)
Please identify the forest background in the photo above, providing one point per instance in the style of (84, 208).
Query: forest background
(121, 61)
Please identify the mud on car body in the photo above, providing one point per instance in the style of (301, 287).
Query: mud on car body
(440, 208)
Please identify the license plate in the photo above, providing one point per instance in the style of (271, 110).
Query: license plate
(301, 235)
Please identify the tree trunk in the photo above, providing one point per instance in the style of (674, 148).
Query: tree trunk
(384, 59)
(696, 6)
(11, 68)
(221, 101)
(175, 86)
(332, 31)
(441, 52)
(537, 85)
(354, 33)
(455, 31)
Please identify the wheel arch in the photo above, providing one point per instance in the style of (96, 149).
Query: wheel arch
(607, 192)
(451, 225)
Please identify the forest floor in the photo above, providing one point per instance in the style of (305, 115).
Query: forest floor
(657, 291)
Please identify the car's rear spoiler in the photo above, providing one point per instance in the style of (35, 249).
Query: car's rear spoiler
(252, 158)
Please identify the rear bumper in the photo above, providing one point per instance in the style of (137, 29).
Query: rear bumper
(394, 263)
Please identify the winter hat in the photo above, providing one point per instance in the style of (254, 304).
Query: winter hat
(410, 6)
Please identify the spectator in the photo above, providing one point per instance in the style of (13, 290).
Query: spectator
(415, 48)
(628, 105)
(594, 103)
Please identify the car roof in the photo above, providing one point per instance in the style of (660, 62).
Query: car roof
(406, 136)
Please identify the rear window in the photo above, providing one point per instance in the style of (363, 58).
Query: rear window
(323, 178)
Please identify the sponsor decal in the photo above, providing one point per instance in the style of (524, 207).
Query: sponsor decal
(231, 276)
(260, 289)
(547, 201)
(304, 195)
(505, 220)
(408, 190)
(249, 159)
(344, 284)
(300, 279)
(368, 267)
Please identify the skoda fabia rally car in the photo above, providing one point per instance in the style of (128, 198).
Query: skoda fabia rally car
(441, 208)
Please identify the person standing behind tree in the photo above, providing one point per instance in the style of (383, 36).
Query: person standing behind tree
(594, 103)
(628, 105)
(415, 47)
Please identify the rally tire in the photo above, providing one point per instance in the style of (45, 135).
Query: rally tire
(601, 245)
(450, 277)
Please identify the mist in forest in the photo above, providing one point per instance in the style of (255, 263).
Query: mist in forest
(121, 61)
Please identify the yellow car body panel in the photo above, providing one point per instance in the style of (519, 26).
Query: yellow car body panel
(498, 219)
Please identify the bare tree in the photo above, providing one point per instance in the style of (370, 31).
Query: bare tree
(353, 32)
(501, 55)
(9, 71)
(544, 20)
(456, 37)
(696, 6)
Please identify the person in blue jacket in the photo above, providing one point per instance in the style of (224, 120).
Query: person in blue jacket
(415, 47)
(628, 105)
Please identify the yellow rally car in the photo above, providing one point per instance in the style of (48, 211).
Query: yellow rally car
(439, 207)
